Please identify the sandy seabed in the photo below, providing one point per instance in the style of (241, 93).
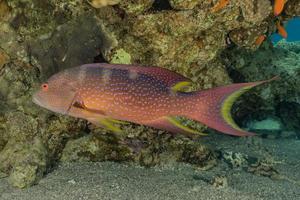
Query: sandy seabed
(108, 180)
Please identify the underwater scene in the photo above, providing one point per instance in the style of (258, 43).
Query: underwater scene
(150, 99)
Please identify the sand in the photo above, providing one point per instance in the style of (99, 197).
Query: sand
(108, 180)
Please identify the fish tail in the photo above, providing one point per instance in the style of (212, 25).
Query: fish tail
(213, 107)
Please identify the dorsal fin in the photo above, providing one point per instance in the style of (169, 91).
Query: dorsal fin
(170, 78)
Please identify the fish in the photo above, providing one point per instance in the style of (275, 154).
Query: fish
(278, 7)
(111, 94)
(260, 39)
(220, 5)
(281, 30)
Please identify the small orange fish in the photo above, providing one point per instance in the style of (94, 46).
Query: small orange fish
(221, 4)
(107, 94)
(281, 30)
(278, 6)
(260, 40)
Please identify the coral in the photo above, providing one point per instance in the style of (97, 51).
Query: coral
(292, 8)
(254, 12)
(236, 160)
(24, 162)
(247, 37)
(5, 12)
(183, 4)
(3, 58)
(3, 133)
(136, 7)
(219, 182)
(264, 167)
(199, 155)
(38, 39)
(95, 148)
(120, 56)
(103, 3)
(265, 63)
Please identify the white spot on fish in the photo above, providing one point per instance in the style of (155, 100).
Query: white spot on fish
(106, 75)
(81, 76)
(133, 75)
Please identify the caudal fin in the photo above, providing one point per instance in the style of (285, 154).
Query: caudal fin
(213, 107)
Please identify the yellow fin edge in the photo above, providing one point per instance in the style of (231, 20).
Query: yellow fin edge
(227, 105)
(110, 126)
(180, 85)
(176, 123)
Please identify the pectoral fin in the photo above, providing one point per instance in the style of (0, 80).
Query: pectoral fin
(99, 118)
(173, 125)
(107, 123)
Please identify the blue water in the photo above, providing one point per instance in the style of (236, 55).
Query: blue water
(293, 29)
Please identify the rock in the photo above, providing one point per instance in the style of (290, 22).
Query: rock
(219, 182)
(292, 8)
(75, 43)
(5, 12)
(4, 58)
(184, 4)
(269, 127)
(289, 113)
(280, 97)
(264, 168)
(254, 12)
(199, 155)
(91, 148)
(136, 7)
(102, 3)
(24, 162)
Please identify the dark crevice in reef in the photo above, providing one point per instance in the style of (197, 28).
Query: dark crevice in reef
(160, 5)
(288, 112)
(235, 75)
(99, 59)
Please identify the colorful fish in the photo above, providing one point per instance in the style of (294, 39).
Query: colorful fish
(278, 6)
(260, 39)
(220, 5)
(281, 30)
(108, 94)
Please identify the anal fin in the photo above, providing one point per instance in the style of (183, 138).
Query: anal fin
(173, 125)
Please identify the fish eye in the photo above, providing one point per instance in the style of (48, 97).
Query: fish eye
(45, 86)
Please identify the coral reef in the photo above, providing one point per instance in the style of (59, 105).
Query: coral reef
(38, 39)
(281, 98)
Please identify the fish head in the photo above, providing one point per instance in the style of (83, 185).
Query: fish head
(56, 94)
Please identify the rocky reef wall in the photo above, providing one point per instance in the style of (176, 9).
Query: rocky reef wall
(194, 37)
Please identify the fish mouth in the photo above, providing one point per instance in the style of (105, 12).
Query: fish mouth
(37, 100)
(40, 102)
